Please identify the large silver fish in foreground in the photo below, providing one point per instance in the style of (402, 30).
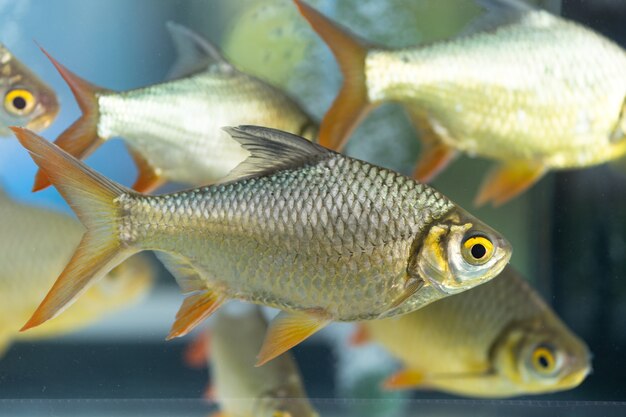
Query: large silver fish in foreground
(241, 389)
(535, 92)
(173, 129)
(314, 233)
(26, 99)
(35, 245)
(497, 340)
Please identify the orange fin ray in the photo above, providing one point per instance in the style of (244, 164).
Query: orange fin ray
(361, 336)
(433, 160)
(507, 181)
(194, 310)
(149, 178)
(404, 379)
(352, 103)
(286, 331)
(92, 197)
(81, 138)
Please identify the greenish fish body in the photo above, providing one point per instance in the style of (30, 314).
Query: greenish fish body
(314, 233)
(36, 244)
(496, 340)
(243, 390)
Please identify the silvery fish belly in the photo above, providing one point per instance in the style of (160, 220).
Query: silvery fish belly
(177, 126)
(26, 99)
(317, 234)
(243, 390)
(173, 130)
(534, 92)
(35, 245)
(543, 89)
(496, 340)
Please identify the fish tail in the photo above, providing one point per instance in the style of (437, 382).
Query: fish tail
(352, 103)
(93, 198)
(81, 138)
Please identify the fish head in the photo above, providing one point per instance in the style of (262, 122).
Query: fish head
(26, 100)
(539, 358)
(124, 284)
(458, 252)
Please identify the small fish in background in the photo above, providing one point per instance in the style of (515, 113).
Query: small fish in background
(241, 389)
(496, 340)
(173, 130)
(26, 100)
(319, 235)
(35, 245)
(531, 90)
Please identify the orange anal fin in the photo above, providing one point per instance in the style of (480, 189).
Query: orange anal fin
(194, 310)
(352, 103)
(287, 330)
(507, 181)
(198, 352)
(148, 178)
(404, 379)
(361, 336)
(81, 138)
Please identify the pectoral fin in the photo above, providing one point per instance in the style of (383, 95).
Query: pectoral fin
(149, 178)
(507, 181)
(195, 309)
(435, 155)
(287, 330)
(404, 379)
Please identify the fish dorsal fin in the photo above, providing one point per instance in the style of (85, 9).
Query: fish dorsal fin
(271, 150)
(194, 53)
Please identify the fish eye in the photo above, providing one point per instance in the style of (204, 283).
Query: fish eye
(19, 102)
(477, 250)
(543, 360)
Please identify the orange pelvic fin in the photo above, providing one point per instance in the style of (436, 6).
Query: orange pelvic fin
(198, 352)
(507, 181)
(361, 336)
(286, 331)
(149, 178)
(194, 310)
(81, 138)
(351, 104)
(92, 197)
(404, 379)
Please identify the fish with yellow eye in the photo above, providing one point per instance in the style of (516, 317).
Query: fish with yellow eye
(173, 130)
(26, 99)
(316, 234)
(35, 245)
(496, 340)
(535, 92)
(243, 390)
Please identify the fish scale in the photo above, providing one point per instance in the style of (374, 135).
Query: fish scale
(279, 231)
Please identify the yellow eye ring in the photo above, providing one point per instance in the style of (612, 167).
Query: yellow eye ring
(543, 360)
(477, 250)
(19, 102)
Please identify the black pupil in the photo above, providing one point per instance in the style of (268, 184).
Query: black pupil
(478, 251)
(543, 361)
(19, 103)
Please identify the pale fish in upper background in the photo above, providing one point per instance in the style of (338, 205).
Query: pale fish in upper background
(35, 245)
(26, 100)
(241, 389)
(319, 235)
(497, 340)
(173, 130)
(534, 91)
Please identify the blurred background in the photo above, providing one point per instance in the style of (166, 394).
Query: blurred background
(569, 231)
